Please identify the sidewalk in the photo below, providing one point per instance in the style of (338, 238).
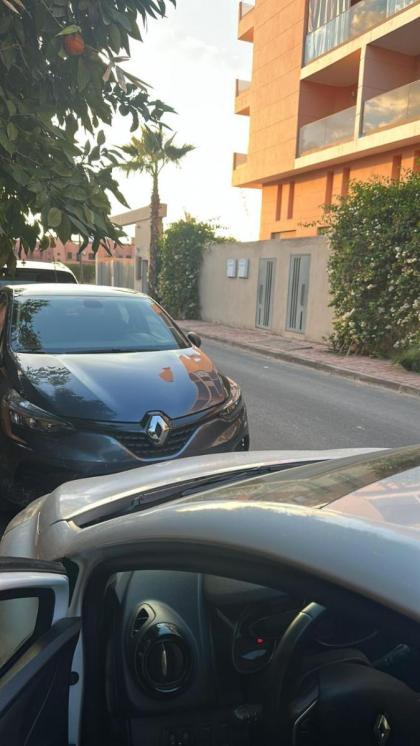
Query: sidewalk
(369, 370)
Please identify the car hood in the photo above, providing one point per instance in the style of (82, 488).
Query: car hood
(96, 499)
(121, 387)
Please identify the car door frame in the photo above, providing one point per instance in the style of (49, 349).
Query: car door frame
(44, 657)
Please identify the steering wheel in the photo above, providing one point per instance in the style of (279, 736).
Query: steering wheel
(335, 698)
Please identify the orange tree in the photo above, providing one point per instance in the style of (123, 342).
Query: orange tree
(62, 79)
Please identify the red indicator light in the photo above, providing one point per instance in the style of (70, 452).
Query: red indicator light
(260, 641)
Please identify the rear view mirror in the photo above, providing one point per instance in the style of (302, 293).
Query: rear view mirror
(194, 338)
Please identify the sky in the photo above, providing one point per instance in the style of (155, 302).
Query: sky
(191, 58)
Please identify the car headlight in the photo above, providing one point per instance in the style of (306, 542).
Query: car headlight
(234, 401)
(19, 415)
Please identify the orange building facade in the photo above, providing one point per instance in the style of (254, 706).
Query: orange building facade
(334, 96)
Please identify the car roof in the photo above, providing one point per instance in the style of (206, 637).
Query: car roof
(57, 288)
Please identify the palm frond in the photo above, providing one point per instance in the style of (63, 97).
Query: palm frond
(16, 6)
(152, 150)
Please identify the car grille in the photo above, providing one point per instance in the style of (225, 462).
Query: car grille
(139, 444)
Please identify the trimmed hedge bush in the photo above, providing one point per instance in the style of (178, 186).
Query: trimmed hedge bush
(374, 267)
(181, 256)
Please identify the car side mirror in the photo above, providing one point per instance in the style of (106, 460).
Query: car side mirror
(194, 338)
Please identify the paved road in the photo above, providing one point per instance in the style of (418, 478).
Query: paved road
(291, 406)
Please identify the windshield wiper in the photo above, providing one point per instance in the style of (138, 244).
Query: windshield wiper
(139, 501)
(109, 351)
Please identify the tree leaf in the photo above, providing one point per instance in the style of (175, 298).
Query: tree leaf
(83, 74)
(12, 132)
(100, 200)
(115, 38)
(95, 153)
(77, 193)
(11, 107)
(73, 29)
(100, 137)
(54, 217)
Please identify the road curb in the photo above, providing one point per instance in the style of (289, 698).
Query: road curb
(289, 357)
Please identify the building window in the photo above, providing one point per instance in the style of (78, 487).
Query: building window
(278, 201)
(275, 236)
(396, 168)
(69, 255)
(416, 161)
(291, 201)
(128, 256)
(91, 255)
(345, 182)
(329, 187)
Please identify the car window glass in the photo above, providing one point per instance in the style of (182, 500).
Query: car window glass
(66, 324)
(18, 621)
(30, 275)
(3, 309)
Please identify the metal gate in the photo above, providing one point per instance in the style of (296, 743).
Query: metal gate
(265, 292)
(298, 292)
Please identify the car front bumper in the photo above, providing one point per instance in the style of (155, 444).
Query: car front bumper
(96, 449)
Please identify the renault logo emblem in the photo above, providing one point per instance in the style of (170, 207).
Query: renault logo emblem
(382, 730)
(157, 429)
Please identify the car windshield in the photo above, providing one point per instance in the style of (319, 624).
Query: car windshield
(84, 324)
(319, 485)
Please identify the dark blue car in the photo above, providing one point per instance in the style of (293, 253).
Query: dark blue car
(98, 380)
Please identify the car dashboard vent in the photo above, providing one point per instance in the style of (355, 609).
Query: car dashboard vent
(163, 660)
(143, 616)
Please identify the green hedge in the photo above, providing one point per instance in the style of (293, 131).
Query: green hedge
(374, 267)
(181, 255)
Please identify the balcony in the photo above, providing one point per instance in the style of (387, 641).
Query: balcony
(399, 106)
(354, 22)
(239, 159)
(246, 22)
(242, 98)
(324, 133)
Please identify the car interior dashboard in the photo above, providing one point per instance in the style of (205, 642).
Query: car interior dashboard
(187, 656)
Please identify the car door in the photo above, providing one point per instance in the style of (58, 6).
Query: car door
(37, 642)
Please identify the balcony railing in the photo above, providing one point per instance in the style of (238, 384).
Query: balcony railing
(242, 86)
(329, 131)
(239, 159)
(245, 8)
(392, 108)
(361, 17)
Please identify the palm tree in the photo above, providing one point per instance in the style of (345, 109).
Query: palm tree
(149, 154)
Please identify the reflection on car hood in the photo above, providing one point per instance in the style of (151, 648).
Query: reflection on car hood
(95, 498)
(121, 387)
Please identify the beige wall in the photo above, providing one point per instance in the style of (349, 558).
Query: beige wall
(141, 219)
(233, 301)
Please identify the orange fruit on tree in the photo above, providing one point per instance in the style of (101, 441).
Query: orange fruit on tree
(74, 44)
